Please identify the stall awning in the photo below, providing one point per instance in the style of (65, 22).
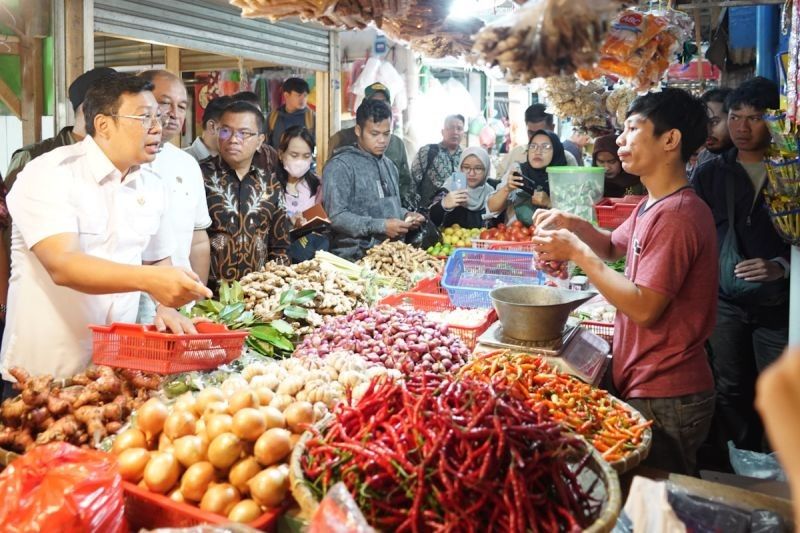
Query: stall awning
(215, 29)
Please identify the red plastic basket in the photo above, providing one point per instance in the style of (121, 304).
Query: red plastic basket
(612, 212)
(602, 329)
(509, 246)
(140, 347)
(148, 510)
(430, 286)
(440, 302)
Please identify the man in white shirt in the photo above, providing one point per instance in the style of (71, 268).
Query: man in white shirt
(187, 195)
(89, 233)
(207, 143)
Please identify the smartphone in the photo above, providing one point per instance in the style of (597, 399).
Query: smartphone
(459, 180)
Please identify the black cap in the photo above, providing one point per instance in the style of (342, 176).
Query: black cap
(84, 82)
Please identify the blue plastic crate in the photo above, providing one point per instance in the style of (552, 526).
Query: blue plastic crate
(471, 273)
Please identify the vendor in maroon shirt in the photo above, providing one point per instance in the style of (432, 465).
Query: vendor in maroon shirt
(666, 300)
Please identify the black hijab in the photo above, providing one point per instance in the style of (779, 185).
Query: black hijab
(539, 175)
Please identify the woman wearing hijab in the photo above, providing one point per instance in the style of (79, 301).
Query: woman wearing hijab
(526, 188)
(618, 183)
(454, 204)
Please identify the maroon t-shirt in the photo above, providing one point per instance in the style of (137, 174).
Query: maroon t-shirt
(671, 249)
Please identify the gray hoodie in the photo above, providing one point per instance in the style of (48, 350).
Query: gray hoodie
(359, 192)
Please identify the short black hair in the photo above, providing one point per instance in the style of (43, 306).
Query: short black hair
(538, 113)
(297, 85)
(758, 93)
(214, 109)
(104, 98)
(716, 95)
(675, 109)
(240, 106)
(459, 117)
(375, 110)
(249, 97)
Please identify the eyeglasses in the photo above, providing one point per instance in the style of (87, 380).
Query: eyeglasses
(473, 170)
(544, 147)
(148, 121)
(243, 135)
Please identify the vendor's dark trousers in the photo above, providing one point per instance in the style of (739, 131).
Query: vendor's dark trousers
(744, 343)
(680, 426)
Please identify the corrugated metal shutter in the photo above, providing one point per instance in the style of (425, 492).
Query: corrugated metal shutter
(216, 29)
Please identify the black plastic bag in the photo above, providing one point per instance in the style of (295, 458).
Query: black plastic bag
(425, 236)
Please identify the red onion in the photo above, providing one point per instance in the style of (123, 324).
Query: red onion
(397, 338)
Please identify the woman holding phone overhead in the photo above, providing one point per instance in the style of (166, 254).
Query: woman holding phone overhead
(462, 198)
(526, 188)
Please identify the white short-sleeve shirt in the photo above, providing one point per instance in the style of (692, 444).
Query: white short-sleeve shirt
(76, 189)
(188, 209)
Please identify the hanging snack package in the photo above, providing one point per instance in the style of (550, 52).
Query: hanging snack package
(630, 31)
(59, 487)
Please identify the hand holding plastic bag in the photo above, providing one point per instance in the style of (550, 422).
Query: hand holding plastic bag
(58, 487)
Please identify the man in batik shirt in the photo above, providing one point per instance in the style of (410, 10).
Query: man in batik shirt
(249, 226)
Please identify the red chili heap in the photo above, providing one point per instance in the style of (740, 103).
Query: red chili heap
(434, 454)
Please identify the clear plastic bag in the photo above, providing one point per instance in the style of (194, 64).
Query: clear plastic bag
(338, 513)
(58, 487)
(755, 464)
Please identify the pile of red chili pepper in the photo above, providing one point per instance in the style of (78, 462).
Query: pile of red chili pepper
(614, 430)
(436, 454)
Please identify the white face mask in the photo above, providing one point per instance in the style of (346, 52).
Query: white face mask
(297, 168)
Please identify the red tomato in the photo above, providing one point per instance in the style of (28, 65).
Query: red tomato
(516, 224)
(485, 235)
(501, 227)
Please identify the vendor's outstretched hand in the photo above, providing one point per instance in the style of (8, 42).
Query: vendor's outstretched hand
(778, 401)
(414, 219)
(552, 219)
(556, 245)
(175, 286)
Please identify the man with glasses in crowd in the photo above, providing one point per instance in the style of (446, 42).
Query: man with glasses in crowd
(90, 232)
(181, 174)
(434, 163)
(248, 224)
(536, 118)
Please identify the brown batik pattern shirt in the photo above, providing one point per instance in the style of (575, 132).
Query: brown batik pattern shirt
(249, 226)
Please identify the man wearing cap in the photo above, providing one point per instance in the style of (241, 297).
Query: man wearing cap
(536, 118)
(181, 174)
(395, 152)
(68, 135)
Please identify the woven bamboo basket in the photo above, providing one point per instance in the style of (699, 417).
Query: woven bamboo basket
(608, 490)
(634, 459)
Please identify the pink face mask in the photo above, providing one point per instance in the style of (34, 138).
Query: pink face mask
(297, 168)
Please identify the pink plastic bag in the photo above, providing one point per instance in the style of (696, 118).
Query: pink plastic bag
(58, 487)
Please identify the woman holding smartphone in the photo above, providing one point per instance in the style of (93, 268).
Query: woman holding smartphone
(462, 198)
(526, 188)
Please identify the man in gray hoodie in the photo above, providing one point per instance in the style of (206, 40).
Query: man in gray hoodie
(360, 190)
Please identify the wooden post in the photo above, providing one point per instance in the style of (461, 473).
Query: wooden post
(172, 59)
(30, 59)
(79, 41)
(322, 130)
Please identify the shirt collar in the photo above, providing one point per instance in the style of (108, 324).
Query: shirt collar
(100, 166)
(200, 147)
(228, 170)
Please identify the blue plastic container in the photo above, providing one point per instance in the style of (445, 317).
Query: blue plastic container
(471, 273)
